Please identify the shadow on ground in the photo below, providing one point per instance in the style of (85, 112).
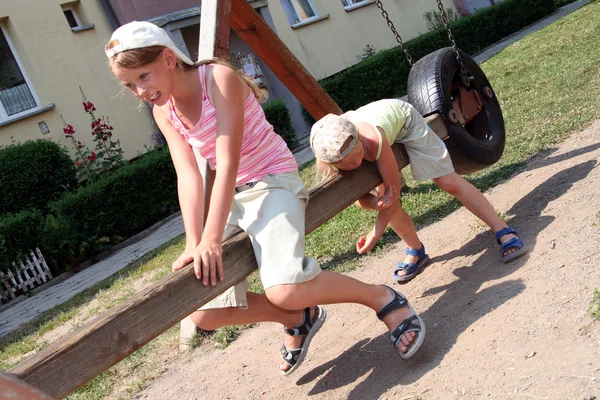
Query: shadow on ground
(460, 305)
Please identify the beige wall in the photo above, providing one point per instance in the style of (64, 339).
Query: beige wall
(57, 62)
(333, 44)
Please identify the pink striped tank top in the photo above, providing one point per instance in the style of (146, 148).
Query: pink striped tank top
(263, 151)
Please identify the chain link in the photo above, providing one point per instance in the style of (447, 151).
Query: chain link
(463, 70)
(395, 32)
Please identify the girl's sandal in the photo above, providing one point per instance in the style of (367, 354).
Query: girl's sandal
(414, 323)
(308, 328)
(515, 243)
(411, 269)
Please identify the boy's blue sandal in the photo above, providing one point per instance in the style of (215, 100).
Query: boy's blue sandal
(414, 323)
(308, 328)
(411, 269)
(514, 243)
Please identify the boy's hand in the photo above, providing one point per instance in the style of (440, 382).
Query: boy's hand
(366, 244)
(389, 197)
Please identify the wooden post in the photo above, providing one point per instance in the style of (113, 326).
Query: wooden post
(77, 358)
(214, 42)
(281, 61)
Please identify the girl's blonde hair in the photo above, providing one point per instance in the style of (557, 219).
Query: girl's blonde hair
(135, 58)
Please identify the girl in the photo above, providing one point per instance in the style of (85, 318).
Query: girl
(207, 109)
(343, 142)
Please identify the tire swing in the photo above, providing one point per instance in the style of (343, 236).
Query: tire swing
(449, 83)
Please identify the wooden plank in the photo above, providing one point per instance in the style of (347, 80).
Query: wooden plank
(215, 29)
(5, 288)
(44, 264)
(28, 280)
(76, 359)
(6, 283)
(437, 124)
(34, 272)
(38, 266)
(281, 61)
(20, 283)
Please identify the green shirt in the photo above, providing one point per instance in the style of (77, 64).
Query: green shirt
(384, 114)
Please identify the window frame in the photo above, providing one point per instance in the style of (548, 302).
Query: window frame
(354, 6)
(4, 117)
(75, 15)
(316, 17)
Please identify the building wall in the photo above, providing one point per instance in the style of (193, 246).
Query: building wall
(330, 45)
(58, 61)
(140, 10)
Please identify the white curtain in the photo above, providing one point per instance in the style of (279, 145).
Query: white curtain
(17, 99)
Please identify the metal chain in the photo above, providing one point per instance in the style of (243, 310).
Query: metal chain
(395, 32)
(463, 70)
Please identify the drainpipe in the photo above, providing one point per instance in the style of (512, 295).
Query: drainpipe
(110, 13)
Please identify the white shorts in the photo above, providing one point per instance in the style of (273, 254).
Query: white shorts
(272, 212)
(428, 155)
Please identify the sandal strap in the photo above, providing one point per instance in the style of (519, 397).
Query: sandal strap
(503, 232)
(290, 356)
(515, 243)
(398, 301)
(303, 328)
(402, 266)
(410, 324)
(412, 252)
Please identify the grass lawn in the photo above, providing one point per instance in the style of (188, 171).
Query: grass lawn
(548, 85)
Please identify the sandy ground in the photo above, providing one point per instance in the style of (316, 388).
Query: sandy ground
(497, 331)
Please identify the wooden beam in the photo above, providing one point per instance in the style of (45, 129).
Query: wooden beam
(281, 61)
(215, 29)
(76, 359)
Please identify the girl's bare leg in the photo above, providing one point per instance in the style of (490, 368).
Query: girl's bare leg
(260, 309)
(331, 288)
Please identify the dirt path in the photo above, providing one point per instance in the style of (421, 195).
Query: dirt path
(493, 331)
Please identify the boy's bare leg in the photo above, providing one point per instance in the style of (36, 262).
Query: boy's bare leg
(404, 227)
(474, 201)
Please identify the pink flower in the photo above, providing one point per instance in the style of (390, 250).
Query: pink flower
(88, 106)
(79, 144)
(92, 157)
(69, 130)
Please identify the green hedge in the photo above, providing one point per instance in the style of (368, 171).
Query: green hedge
(385, 74)
(19, 233)
(32, 174)
(279, 116)
(118, 205)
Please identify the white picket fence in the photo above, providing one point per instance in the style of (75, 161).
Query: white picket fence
(31, 273)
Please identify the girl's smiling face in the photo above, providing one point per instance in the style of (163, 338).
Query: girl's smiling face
(151, 82)
(353, 159)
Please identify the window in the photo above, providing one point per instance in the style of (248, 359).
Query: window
(75, 16)
(16, 95)
(352, 4)
(72, 18)
(299, 10)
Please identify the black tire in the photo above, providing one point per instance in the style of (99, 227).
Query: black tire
(480, 143)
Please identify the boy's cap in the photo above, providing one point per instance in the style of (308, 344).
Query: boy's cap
(135, 35)
(328, 136)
